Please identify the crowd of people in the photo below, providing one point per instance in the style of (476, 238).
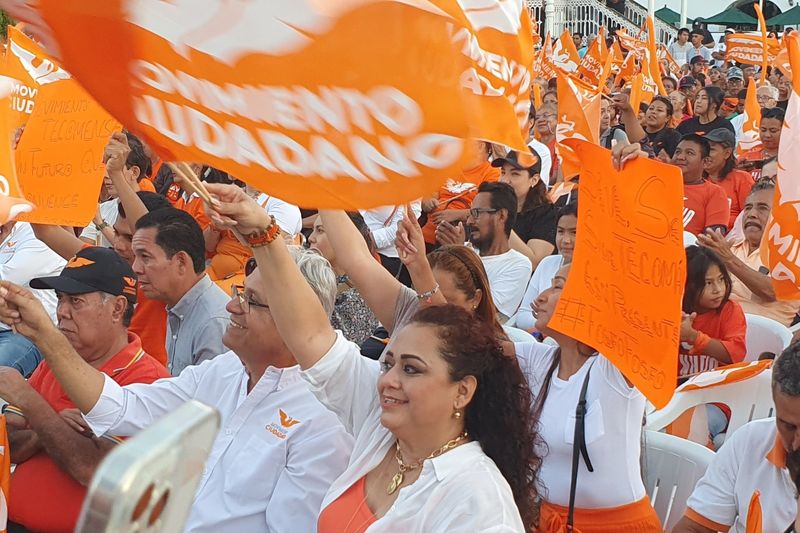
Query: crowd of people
(394, 369)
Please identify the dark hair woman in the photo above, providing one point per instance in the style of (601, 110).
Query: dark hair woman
(611, 498)
(536, 216)
(721, 169)
(706, 113)
(443, 418)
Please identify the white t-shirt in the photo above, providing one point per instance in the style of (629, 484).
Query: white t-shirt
(543, 152)
(744, 464)
(738, 125)
(613, 430)
(109, 211)
(542, 279)
(24, 257)
(679, 52)
(508, 275)
(287, 216)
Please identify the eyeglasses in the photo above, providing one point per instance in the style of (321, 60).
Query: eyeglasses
(475, 212)
(237, 291)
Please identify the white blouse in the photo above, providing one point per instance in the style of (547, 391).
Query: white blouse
(613, 431)
(461, 491)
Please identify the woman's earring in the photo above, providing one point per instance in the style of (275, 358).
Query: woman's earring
(457, 414)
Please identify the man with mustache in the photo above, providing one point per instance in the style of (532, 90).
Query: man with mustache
(752, 286)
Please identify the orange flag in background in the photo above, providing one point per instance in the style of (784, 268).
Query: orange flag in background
(346, 104)
(5, 474)
(578, 118)
(643, 86)
(749, 139)
(652, 58)
(674, 68)
(619, 57)
(632, 44)
(749, 49)
(565, 55)
(591, 66)
(537, 95)
(627, 71)
(762, 24)
(11, 203)
(544, 67)
(629, 255)
(754, 514)
(780, 247)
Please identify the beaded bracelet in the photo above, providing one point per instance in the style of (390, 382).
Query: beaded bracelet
(427, 296)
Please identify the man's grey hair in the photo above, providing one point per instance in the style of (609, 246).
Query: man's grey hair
(772, 91)
(786, 371)
(319, 274)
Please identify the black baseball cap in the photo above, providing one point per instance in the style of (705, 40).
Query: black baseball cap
(687, 81)
(722, 136)
(513, 159)
(698, 59)
(93, 269)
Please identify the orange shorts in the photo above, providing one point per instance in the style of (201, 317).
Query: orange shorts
(637, 517)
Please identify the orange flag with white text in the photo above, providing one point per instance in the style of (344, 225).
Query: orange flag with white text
(780, 247)
(591, 67)
(345, 104)
(750, 139)
(565, 55)
(5, 474)
(578, 118)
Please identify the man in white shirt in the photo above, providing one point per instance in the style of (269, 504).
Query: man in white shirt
(278, 449)
(753, 459)
(680, 48)
(489, 225)
(22, 258)
(698, 48)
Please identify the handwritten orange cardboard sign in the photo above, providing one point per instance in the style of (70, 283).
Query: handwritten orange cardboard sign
(623, 294)
(352, 103)
(60, 155)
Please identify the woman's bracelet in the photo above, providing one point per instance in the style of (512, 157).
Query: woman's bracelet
(427, 296)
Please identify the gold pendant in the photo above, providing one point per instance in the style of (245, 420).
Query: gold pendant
(397, 480)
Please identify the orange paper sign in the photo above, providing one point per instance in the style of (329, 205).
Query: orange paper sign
(59, 157)
(623, 294)
(352, 103)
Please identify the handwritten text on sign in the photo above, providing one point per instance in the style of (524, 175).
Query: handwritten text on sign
(623, 295)
(59, 157)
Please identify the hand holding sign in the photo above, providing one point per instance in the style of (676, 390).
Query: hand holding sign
(624, 291)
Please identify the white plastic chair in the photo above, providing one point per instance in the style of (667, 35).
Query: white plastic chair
(672, 468)
(750, 399)
(689, 239)
(518, 335)
(765, 335)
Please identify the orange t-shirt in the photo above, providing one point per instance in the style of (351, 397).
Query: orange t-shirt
(726, 325)
(704, 205)
(348, 513)
(146, 185)
(459, 194)
(196, 208)
(229, 258)
(150, 325)
(45, 498)
(737, 185)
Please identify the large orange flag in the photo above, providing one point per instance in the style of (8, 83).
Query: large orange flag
(346, 104)
(618, 56)
(591, 66)
(632, 44)
(762, 25)
(749, 49)
(5, 474)
(750, 139)
(544, 67)
(780, 247)
(627, 70)
(652, 58)
(578, 118)
(565, 55)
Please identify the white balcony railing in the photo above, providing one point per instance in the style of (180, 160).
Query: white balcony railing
(586, 16)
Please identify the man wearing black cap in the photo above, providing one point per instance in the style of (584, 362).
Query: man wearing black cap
(698, 65)
(698, 48)
(688, 86)
(55, 453)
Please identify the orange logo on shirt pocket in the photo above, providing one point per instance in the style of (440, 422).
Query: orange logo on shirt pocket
(286, 420)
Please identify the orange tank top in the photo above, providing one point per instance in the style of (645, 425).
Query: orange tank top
(349, 513)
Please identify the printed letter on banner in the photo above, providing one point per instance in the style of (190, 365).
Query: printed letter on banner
(352, 103)
(623, 293)
(780, 247)
(59, 158)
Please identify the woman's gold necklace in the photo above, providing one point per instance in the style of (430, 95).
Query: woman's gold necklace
(397, 479)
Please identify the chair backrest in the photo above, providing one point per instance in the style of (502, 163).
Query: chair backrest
(672, 468)
(765, 335)
(148, 483)
(750, 399)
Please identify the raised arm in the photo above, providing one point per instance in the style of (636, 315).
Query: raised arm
(301, 321)
(115, 157)
(627, 115)
(410, 246)
(375, 284)
(60, 240)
